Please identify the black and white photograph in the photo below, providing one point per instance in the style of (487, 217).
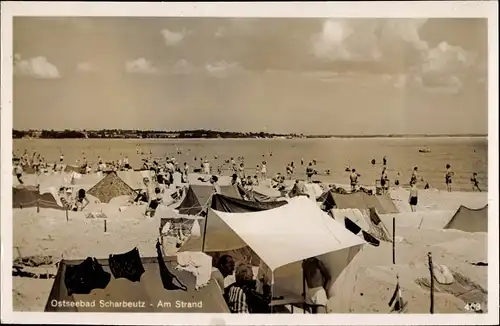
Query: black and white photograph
(249, 166)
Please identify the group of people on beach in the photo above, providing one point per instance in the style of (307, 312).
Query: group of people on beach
(245, 292)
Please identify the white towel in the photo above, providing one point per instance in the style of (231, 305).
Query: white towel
(197, 263)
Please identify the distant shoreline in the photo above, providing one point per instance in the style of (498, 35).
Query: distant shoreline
(207, 134)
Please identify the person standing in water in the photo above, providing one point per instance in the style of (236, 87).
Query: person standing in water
(413, 200)
(384, 161)
(414, 176)
(475, 183)
(317, 279)
(448, 175)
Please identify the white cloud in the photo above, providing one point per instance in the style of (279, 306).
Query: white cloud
(182, 67)
(38, 67)
(173, 38)
(394, 42)
(85, 67)
(140, 66)
(222, 68)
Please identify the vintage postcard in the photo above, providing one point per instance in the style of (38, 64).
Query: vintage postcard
(235, 164)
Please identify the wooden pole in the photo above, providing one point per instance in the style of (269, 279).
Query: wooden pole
(204, 233)
(67, 218)
(105, 226)
(394, 240)
(38, 205)
(429, 255)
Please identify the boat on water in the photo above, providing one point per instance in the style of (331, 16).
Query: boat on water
(425, 150)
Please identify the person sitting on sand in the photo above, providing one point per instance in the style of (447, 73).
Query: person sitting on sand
(354, 180)
(223, 272)
(317, 279)
(475, 183)
(447, 177)
(233, 165)
(18, 170)
(242, 296)
(276, 180)
(81, 201)
(413, 200)
(249, 182)
(235, 181)
(214, 181)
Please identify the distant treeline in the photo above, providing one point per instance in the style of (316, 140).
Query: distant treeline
(200, 133)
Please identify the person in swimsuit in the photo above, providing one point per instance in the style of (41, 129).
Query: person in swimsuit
(414, 176)
(384, 181)
(413, 200)
(384, 161)
(309, 172)
(263, 171)
(153, 203)
(475, 183)
(214, 181)
(19, 172)
(354, 180)
(81, 201)
(447, 177)
(241, 171)
(317, 279)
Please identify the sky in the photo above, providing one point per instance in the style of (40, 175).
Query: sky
(286, 75)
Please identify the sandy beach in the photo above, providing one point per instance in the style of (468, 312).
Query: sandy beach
(368, 280)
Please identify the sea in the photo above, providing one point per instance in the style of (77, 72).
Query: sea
(466, 155)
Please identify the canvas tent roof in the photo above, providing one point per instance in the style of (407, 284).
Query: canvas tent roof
(197, 198)
(287, 234)
(149, 289)
(23, 197)
(135, 178)
(469, 220)
(109, 187)
(382, 203)
(218, 236)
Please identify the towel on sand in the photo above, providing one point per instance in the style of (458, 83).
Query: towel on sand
(197, 263)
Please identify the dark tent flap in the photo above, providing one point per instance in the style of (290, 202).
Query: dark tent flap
(23, 197)
(148, 295)
(198, 198)
(469, 220)
(233, 205)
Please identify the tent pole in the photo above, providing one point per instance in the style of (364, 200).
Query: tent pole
(67, 219)
(394, 240)
(429, 255)
(303, 291)
(204, 233)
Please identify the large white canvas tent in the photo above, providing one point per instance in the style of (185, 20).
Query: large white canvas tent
(282, 237)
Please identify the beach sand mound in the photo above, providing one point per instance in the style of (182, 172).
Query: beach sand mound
(438, 200)
(368, 282)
